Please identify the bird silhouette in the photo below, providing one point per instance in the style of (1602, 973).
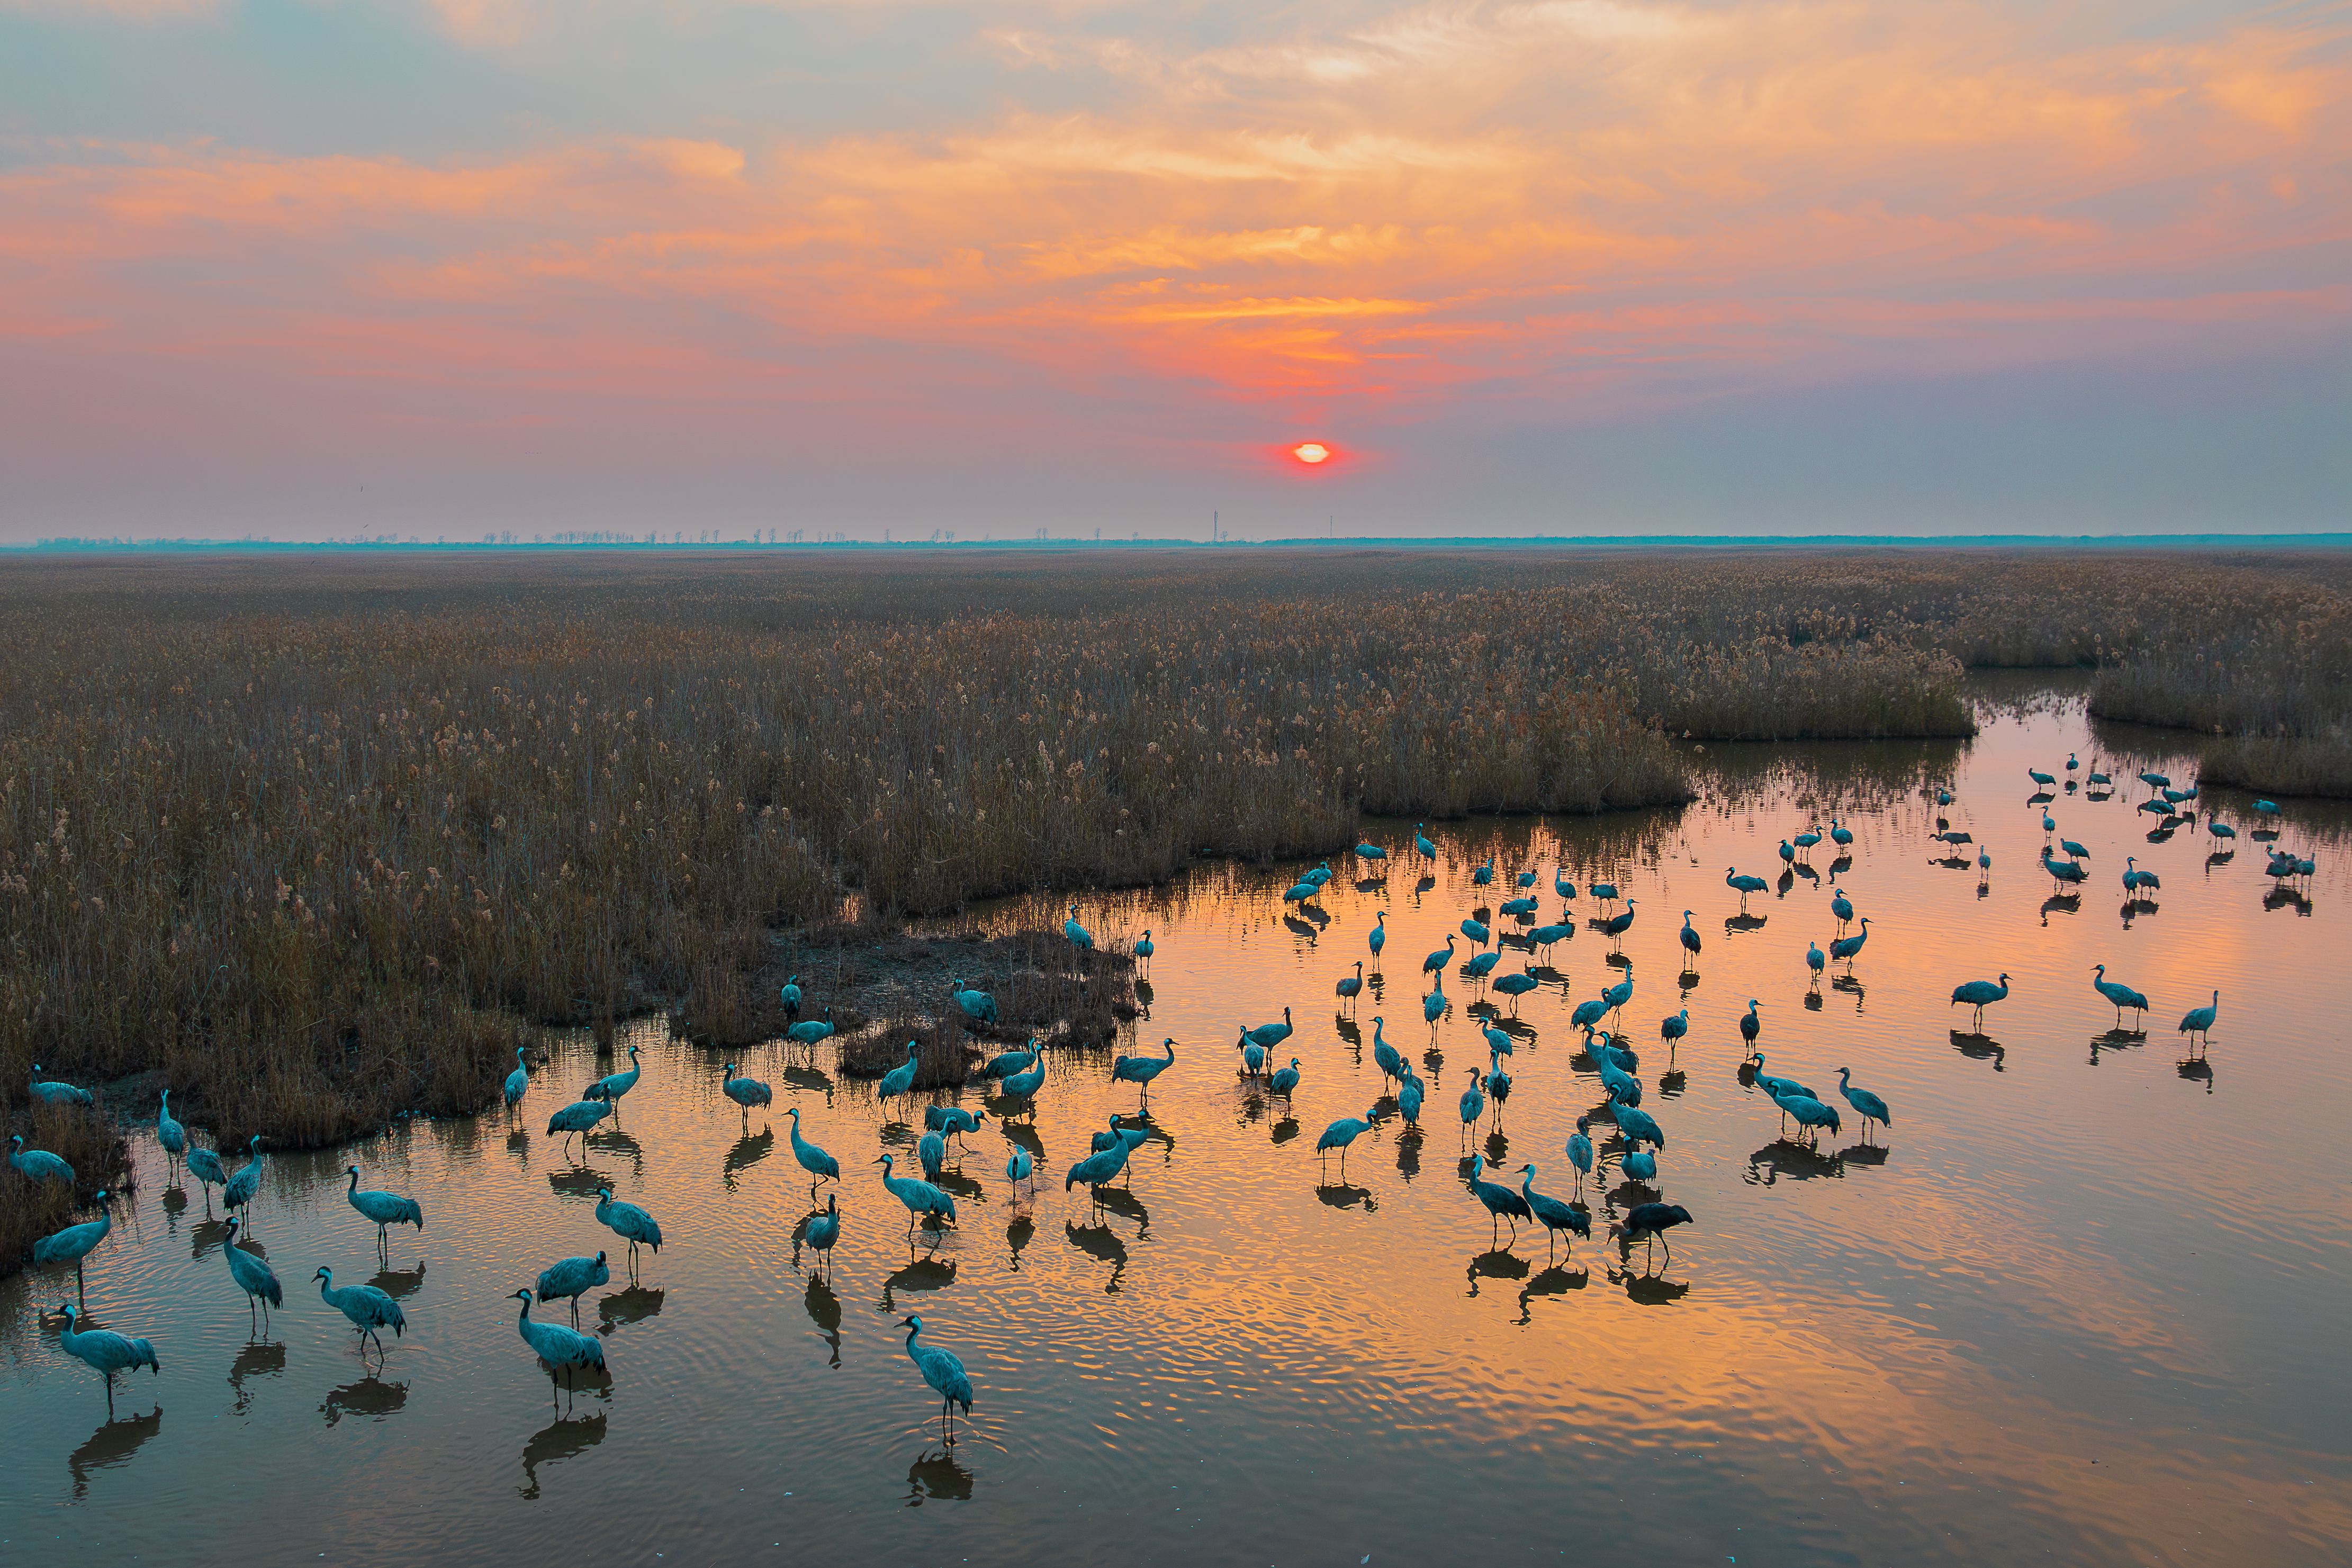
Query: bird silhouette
(1649, 1222)
(1435, 963)
(1142, 1070)
(1339, 1135)
(811, 1031)
(1751, 1025)
(239, 1192)
(1379, 937)
(1816, 961)
(1143, 948)
(788, 995)
(577, 1117)
(1386, 1056)
(1637, 1126)
(1473, 1104)
(899, 1078)
(746, 1092)
(202, 1164)
(1743, 886)
(1580, 1151)
(1690, 937)
(518, 1082)
(1350, 988)
(1410, 1095)
(1550, 1212)
(1809, 1113)
(1845, 947)
(612, 1086)
(1079, 937)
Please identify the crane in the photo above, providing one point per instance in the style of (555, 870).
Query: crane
(2117, 991)
(1386, 1056)
(1339, 1135)
(1579, 1150)
(1845, 947)
(558, 1346)
(518, 1082)
(76, 1242)
(746, 1092)
(206, 1166)
(976, 1005)
(941, 1371)
(2199, 1020)
(1079, 937)
(1649, 1222)
(1865, 1104)
(39, 1164)
(1144, 1068)
(104, 1352)
(387, 1209)
(170, 1134)
(1980, 995)
(1436, 962)
(1501, 1202)
(1550, 1212)
(788, 997)
(899, 1078)
(572, 1278)
(1351, 988)
(627, 1221)
(577, 1117)
(364, 1307)
(611, 1085)
(811, 1031)
(824, 1229)
(253, 1276)
(1690, 937)
(920, 1197)
(239, 1192)
(54, 1093)
(1410, 1095)
(1743, 886)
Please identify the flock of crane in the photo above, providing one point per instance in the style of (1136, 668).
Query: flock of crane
(1020, 1075)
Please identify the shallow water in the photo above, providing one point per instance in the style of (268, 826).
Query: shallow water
(2085, 1298)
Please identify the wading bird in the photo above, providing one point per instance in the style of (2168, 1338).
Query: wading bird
(2119, 994)
(1143, 948)
(1272, 1035)
(39, 1164)
(1618, 924)
(1868, 1106)
(385, 1208)
(899, 1078)
(1845, 947)
(1351, 988)
(1386, 1056)
(239, 1192)
(1816, 961)
(104, 1352)
(941, 1371)
(559, 1347)
(1473, 1104)
(1810, 1114)
(820, 1165)
(746, 1092)
(1637, 1127)
(1410, 1095)
(518, 1082)
(1436, 962)
(1501, 1202)
(205, 1166)
(1379, 937)
(788, 997)
(824, 1230)
(1690, 937)
(253, 1276)
(1341, 1134)
(614, 1085)
(1751, 1025)
(55, 1093)
(1743, 886)
(2136, 880)
(75, 1242)
(920, 1197)
(1640, 1165)
(1649, 1222)
(572, 1278)
(627, 1221)
(1580, 1151)
(811, 1031)
(1672, 1030)
(366, 1308)
(1980, 995)
(978, 1005)
(1550, 1212)
(170, 1133)
(1079, 936)
(577, 1117)
(2199, 1020)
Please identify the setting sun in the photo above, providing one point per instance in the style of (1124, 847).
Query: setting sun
(1311, 452)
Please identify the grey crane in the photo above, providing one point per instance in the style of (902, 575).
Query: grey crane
(1649, 1222)
(572, 1278)
(205, 1166)
(253, 1277)
(819, 1164)
(54, 1093)
(823, 1230)
(1500, 1202)
(38, 1165)
(367, 1309)
(577, 1117)
(1980, 995)
(170, 1133)
(920, 1197)
(386, 1209)
(899, 1078)
(76, 1242)
(614, 1085)
(1868, 1105)
(940, 1369)
(242, 1187)
(103, 1351)
(627, 1221)
(746, 1092)
(1550, 1212)
(559, 1347)
(2118, 992)
(1339, 1135)
(518, 1082)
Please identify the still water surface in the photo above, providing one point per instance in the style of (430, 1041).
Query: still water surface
(2085, 1298)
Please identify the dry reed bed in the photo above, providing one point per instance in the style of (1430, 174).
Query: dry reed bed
(321, 840)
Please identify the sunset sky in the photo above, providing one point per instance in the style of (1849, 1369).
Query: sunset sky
(314, 268)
